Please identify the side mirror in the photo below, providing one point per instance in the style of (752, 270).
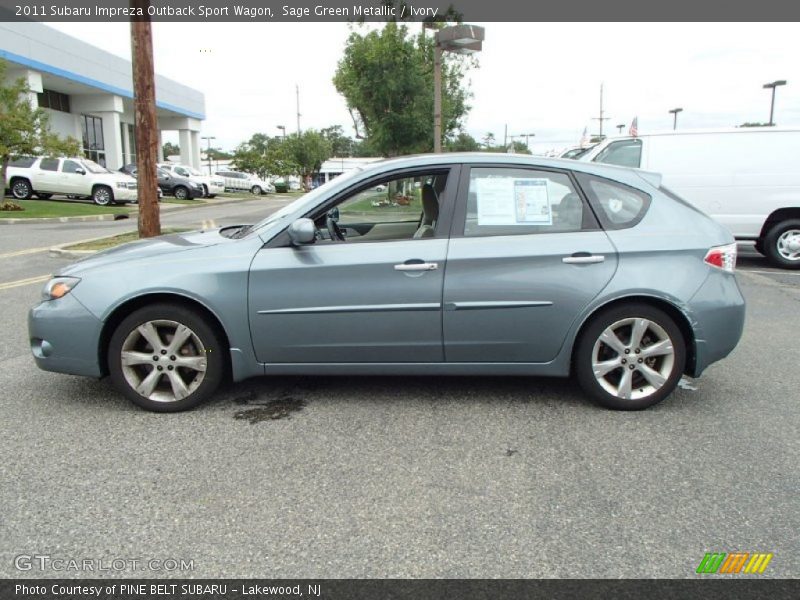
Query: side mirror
(80, 171)
(302, 231)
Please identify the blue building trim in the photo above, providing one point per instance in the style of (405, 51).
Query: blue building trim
(45, 68)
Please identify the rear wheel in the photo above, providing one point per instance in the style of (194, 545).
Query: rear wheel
(165, 358)
(21, 189)
(102, 195)
(630, 357)
(782, 244)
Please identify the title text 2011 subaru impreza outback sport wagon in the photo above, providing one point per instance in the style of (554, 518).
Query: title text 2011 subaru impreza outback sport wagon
(462, 264)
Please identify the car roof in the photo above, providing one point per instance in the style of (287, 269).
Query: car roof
(634, 177)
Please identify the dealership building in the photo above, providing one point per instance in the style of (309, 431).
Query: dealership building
(88, 94)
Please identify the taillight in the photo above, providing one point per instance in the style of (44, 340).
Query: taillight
(722, 257)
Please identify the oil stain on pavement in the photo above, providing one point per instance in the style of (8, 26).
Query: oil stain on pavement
(270, 411)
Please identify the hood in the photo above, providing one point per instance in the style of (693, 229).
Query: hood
(117, 175)
(151, 248)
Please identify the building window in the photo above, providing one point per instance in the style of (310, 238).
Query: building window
(53, 100)
(93, 141)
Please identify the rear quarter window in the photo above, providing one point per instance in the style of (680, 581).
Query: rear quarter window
(23, 162)
(617, 206)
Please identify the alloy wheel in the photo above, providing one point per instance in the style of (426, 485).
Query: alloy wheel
(788, 245)
(164, 361)
(633, 358)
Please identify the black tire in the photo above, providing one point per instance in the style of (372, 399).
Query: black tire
(211, 195)
(584, 355)
(102, 195)
(43, 196)
(256, 190)
(21, 188)
(212, 348)
(181, 193)
(205, 191)
(776, 236)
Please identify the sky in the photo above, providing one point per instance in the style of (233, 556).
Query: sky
(541, 78)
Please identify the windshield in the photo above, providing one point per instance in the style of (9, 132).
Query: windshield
(309, 199)
(93, 167)
(193, 171)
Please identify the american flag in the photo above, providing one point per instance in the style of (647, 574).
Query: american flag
(634, 130)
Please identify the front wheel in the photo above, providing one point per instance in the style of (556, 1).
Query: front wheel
(181, 193)
(256, 190)
(630, 357)
(165, 358)
(782, 244)
(21, 189)
(102, 195)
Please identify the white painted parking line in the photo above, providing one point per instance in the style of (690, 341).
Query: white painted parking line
(21, 282)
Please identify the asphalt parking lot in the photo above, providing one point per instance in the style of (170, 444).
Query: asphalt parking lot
(402, 476)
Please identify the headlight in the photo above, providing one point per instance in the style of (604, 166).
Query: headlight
(58, 287)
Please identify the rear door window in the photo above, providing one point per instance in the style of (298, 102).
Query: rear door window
(618, 206)
(49, 164)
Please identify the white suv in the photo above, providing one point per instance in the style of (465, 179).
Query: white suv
(211, 185)
(245, 182)
(79, 177)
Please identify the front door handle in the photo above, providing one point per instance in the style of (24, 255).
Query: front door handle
(583, 258)
(421, 266)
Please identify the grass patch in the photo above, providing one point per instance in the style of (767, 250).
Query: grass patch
(39, 209)
(116, 240)
(196, 201)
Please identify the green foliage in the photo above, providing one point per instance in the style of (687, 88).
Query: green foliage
(463, 142)
(308, 150)
(25, 130)
(755, 124)
(341, 145)
(386, 78)
(171, 149)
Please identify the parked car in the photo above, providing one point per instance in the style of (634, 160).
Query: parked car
(506, 265)
(746, 178)
(170, 184)
(74, 177)
(211, 185)
(236, 181)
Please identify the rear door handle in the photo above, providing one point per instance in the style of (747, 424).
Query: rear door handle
(422, 266)
(583, 258)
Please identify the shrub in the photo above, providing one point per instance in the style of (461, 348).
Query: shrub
(8, 205)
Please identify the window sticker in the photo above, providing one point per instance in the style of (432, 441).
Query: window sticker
(509, 201)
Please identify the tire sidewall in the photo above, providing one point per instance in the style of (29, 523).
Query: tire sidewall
(583, 355)
(208, 336)
(22, 182)
(110, 195)
(181, 193)
(770, 245)
(256, 190)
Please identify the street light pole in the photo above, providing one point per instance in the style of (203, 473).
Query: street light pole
(773, 85)
(283, 129)
(620, 127)
(459, 39)
(674, 112)
(208, 152)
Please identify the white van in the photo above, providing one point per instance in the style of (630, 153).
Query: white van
(747, 178)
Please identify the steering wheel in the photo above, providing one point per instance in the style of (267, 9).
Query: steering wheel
(336, 233)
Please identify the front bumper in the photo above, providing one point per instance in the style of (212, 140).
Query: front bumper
(64, 337)
(125, 194)
(717, 313)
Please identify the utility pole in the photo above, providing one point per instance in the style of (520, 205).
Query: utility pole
(437, 97)
(601, 118)
(208, 152)
(297, 92)
(144, 101)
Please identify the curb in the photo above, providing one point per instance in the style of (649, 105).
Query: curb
(61, 252)
(34, 220)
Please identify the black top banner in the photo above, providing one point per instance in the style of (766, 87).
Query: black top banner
(397, 10)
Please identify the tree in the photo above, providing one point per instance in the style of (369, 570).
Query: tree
(171, 149)
(463, 142)
(265, 156)
(754, 124)
(25, 130)
(488, 141)
(386, 78)
(341, 145)
(309, 150)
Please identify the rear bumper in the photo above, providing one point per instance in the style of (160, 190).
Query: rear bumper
(64, 337)
(718, 312)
